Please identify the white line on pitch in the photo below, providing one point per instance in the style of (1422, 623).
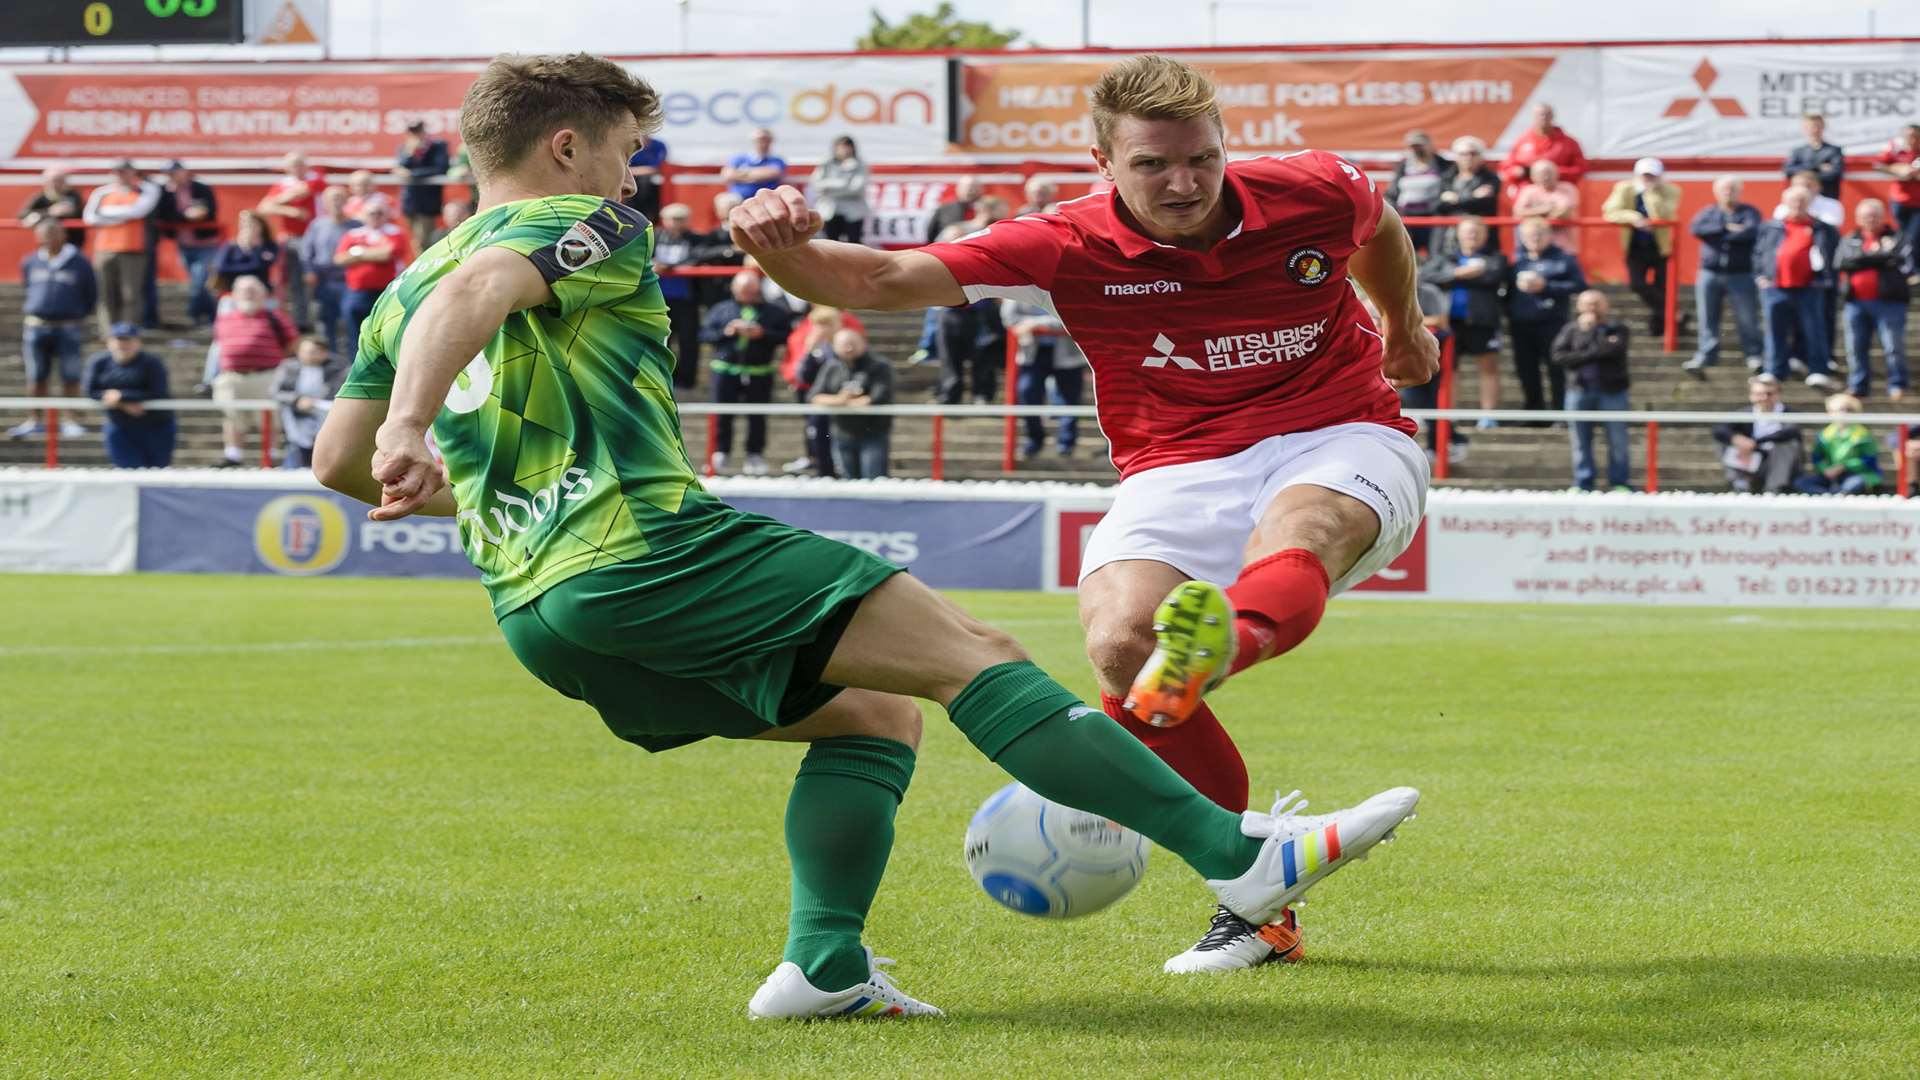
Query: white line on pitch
(245, 647)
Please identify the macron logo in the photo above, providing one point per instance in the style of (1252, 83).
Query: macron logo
(1143, 288)
(1163, 347)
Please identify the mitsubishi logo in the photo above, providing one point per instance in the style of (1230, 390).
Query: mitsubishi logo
(1703, 77)
(1163, 345)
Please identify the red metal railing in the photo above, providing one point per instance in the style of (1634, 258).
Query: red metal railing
(1443, 427)
(1653, 456)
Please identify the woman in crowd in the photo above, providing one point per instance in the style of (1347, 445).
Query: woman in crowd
(251, 253)
(840, 192)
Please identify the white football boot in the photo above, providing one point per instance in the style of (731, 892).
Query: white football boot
(1232, 943)
(787, 995)
(1301, 850)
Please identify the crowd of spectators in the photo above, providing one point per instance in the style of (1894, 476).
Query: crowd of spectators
(314, 256)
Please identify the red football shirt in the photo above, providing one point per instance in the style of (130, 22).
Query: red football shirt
(373, 276)
(1198, 356)
(1905, 192)
(303, 193)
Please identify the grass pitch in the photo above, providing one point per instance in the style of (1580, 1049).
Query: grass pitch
(256, 827)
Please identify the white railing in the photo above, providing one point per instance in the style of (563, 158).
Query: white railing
(1652, 419)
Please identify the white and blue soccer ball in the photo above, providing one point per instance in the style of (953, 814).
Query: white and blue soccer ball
(1041, 858)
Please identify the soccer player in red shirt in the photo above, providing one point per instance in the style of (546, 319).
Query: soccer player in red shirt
(1248, 397)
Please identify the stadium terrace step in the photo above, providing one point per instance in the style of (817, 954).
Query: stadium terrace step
(1506, 457)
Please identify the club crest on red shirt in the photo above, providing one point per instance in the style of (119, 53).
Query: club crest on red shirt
(1309, 266)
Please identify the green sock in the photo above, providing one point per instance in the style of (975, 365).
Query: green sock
(839, 832)
(1076, 755)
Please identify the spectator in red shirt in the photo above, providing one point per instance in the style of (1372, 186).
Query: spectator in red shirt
(1546, 195)
(290, 205)
(359, 190)
(1544, 141)
(1793, 265)
(372, 256)
(1873, 279)
(252, 338)
(1901, 160)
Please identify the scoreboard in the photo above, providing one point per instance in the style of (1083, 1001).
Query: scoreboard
(121, 22)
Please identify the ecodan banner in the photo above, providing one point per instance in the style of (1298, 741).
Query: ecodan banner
(296, 532)
(66, 528)
(895, 108)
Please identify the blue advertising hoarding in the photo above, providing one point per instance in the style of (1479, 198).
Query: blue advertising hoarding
(306, 532)
(297, 532)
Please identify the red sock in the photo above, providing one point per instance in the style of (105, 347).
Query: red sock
(1200, 750)
(1277, 602)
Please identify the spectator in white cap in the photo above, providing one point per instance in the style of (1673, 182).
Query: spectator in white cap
(1647, 197)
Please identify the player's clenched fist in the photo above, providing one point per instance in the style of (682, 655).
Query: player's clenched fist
(773, 220)
(1411, 359)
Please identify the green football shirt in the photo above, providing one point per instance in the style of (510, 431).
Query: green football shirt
(561, 438)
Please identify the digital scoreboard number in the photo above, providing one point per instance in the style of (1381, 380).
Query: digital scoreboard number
(121, 22)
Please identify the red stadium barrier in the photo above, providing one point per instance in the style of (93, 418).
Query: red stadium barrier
(1007, 458)
(1443, 427)
(1653, 456)
(937, 467)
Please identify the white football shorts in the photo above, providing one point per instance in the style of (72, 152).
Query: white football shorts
(1197, 517)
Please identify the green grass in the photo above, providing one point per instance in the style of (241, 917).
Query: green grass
(1653, 842)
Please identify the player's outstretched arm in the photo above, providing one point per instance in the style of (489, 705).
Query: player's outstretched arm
(776, 227)
(343, 455)
(451, 327)
(1385, 266)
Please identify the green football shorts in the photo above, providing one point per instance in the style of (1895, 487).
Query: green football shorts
(725, 635)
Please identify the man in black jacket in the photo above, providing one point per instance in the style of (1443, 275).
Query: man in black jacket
(1472, 188)
(966, 194)
(746, 332)
(1763, 454)
(1472, 274)
(1817, 156)
(1593, 349)
(421, 164)
(1727, 231)
(187, 214)
(124, 379)
(1871, 261)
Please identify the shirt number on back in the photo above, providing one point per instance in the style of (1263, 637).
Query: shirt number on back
(479, 386)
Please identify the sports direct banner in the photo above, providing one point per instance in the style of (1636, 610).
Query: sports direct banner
(895, 108)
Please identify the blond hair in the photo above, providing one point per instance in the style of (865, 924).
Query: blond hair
(1151, 87)
(520, 100)
(1843, 403)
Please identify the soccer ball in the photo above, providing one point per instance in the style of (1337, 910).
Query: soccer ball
(1041, 858)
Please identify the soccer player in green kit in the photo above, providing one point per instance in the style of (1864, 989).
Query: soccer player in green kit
(531, 341)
